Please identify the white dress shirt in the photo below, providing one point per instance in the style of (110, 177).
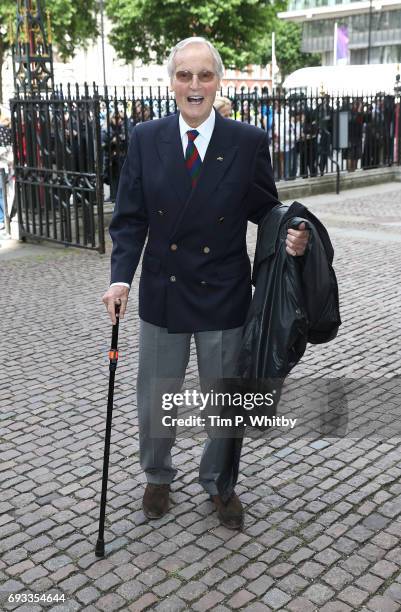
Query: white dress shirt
(205, 130)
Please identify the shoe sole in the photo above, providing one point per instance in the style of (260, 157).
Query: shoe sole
(151, 516)
(238, 527)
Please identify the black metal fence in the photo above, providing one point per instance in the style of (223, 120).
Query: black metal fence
(57, 165)
(309, 135)
(70, 142)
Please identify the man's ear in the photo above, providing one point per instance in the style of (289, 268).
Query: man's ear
(171, 86)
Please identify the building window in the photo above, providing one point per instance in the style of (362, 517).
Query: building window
(318, 36)
(300, 5)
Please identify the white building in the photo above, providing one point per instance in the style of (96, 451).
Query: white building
(373, 26)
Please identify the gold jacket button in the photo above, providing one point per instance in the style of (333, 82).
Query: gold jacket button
(206, 249)
(160, 212)
(203, 283)
(172, 279)
(173, 247)
(221, 219)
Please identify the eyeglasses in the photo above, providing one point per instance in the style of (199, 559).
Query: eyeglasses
(185, 76)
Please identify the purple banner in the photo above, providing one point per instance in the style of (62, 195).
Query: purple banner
(342, 42)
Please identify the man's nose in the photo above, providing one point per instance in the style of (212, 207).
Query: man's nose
(194, 81)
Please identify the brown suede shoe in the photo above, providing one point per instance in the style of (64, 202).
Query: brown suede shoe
(231, 513)
(155, 500)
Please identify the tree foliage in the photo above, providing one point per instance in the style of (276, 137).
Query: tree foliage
(73, 24)
(289, 57)
(240, 29)
(147, 29)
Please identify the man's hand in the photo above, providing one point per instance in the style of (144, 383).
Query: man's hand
(297, 240)
(114, 295)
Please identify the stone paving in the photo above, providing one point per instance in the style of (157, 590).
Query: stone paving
(323, 515)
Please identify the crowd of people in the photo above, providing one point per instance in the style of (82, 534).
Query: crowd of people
(302, 131)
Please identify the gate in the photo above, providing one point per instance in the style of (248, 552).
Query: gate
(58, 177)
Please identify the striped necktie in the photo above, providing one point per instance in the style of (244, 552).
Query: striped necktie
(192, 158)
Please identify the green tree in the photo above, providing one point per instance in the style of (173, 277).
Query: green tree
(147, 29)
(289, 57)
(73, 24)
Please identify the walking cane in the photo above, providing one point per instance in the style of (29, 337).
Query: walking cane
(113, 358)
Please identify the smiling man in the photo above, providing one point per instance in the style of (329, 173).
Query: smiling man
(189, 184)
(195, 80)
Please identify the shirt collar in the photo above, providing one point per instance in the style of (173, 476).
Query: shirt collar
(205, 129)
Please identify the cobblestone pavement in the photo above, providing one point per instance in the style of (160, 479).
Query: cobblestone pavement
(323, 515)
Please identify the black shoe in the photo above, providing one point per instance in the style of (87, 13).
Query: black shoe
(230, 513)
(155, 500)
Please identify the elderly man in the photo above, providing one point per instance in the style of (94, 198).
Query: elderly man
(189, 184)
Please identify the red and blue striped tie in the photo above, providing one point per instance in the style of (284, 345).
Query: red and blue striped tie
(192, 157)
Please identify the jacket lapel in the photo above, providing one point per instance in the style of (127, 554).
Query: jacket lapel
(169, 146)
(218, 159)
(219, 156)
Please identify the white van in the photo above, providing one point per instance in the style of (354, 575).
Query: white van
(347, 79)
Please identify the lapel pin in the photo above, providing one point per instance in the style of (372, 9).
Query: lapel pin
(220, 159)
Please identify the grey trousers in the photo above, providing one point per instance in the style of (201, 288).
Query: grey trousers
(164, 356)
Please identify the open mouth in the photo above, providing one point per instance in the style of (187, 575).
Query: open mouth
(195, 99)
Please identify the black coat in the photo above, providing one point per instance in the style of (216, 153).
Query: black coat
(196, 273)
(295, 299)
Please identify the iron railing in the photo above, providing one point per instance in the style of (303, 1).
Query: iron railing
(57, 159)
(77, 138)
(304, 131)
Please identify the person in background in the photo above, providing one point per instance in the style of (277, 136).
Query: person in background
(223, 106)
(114, 151)
(266, 112)
(353, 153)
(325, 130)
(278, 129)
(2, 201)
(308, 148)
(5, 159)
(140, 112)
(291, 135)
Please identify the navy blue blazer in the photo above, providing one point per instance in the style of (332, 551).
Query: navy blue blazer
(196, 273)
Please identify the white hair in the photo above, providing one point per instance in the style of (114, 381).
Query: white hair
(219, 66)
